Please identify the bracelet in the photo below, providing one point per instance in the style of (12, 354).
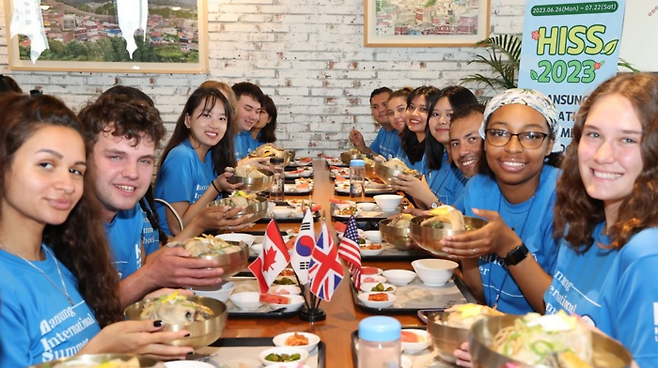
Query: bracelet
(215, 186)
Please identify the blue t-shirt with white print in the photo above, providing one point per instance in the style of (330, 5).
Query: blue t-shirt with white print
(124, 233)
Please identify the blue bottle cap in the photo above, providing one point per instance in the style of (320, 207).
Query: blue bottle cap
(380, 329)
(357, 162)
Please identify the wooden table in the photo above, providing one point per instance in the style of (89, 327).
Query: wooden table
(342, 316)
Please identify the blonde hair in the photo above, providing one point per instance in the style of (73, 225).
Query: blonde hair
(225, 89)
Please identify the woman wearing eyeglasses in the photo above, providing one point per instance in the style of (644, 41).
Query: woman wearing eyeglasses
(515, 192)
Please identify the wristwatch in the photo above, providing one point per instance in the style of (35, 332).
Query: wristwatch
(434, 205)
(516, 255)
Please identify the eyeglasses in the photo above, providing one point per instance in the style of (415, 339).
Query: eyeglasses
(499, 138)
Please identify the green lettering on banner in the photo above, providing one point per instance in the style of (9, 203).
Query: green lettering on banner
(559, 71)
(573, 9)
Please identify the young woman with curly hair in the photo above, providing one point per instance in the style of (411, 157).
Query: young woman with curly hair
(57, 284)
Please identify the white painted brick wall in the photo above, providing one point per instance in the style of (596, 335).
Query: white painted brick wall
(307, 54)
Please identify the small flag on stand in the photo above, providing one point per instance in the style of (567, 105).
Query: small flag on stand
(272, 260)
(304, 244)
(326, 271)
(348, 250)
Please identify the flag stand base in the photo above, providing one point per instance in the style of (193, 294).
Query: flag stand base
(312, 315)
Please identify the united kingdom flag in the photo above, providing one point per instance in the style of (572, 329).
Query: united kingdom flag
(325, 272)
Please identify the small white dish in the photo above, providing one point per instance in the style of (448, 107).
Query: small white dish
(366, 206)
(219, 292)
(187, 364)
(285, 290)
(371, 252)
(399, 277)
(345, 204)
(247, 301)
(290, 350)
(296, 302)
(282, 212)
(257, 248)
(368, 286)
(371, 270)
(414, 340)
(313, 340)
(236, 237)
(363, 297)
(373, 278)
(374, 236)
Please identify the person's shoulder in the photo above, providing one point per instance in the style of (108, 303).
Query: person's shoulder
(480, 182)
(182, 151)
(641, 246)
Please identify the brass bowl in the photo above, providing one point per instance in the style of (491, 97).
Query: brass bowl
(259, 209)
(429, 239)
(231, 263)
(286, 155)
(608, 353)
(202, 333)
(348, 156)
(398, 236)
(254, 184)
(446, 339)
(386, 174)
(369, 172)
(97, 359)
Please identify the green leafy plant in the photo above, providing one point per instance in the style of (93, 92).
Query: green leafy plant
(504, 58)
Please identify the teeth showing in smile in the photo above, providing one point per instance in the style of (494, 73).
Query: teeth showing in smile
(126, 188)
(514, 164)
(606, 175)
(468, 163)
(211, 134)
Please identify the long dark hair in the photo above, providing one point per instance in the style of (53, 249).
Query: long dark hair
(80, 242)
(222, 153)
(576, 214)
(410, 145)
(458, 97)
(267, 134)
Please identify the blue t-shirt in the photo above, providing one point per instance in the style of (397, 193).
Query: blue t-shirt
(182, 178)
(124, 234)
(386, 143)
(532, 220)
(150, 237)
(37, 322)
(242, 142)
(448, 182)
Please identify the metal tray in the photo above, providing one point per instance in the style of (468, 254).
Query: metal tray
(442, 297)
(241, 352)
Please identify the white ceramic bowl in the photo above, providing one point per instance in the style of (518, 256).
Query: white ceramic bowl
(399, 277)
(371, 252)
(374, 304)
(373, 235)
(285, 290)
(282, 212)
(367, 270)
(303, 355)
(367, 287)
(257, 248)
(433, 271)
(220, 292)
(345, 204)
(248, 300)
(236, 237)
(366, 206)
(388, 202)
(187, 364)
(373, 278)
(422, 340)
(313, 340)
(296, 302)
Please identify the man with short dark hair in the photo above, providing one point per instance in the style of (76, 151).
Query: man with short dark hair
(387, 142)
(247, 113)
(465, 141)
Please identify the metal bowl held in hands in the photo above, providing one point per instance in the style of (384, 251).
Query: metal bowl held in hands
(446, 339)
(386, 174)
(429, 238)
(254, 184)
(348, 156)
(398, 236)
(93, 360)
(608, 353)
(258, 207)
(202, 333)
(231, 263)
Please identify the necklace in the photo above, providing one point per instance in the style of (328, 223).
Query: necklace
(63, 291)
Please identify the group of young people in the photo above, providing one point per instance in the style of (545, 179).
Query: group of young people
(79, 224)
(573, 231)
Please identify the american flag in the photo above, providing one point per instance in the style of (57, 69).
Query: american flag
(326, 271)
(348, 249)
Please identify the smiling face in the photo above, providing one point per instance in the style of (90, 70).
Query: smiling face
(207, 126)
(466, 143)
(515, 166)
(417, 114)
(378, 108)
(46, 177)
(397, 113)
(609, 157)
(439, 121)
(123, 171)
(247, 113)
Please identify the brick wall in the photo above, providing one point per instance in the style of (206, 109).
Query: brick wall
(307, 54)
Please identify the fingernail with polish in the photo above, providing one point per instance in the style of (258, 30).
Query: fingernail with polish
(157, 323)
(187, 335)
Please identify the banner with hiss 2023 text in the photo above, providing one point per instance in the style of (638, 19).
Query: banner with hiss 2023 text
(569, 48)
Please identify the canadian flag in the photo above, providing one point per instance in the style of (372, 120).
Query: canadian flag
(272, 260)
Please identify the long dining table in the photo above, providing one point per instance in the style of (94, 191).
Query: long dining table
(342, 317)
